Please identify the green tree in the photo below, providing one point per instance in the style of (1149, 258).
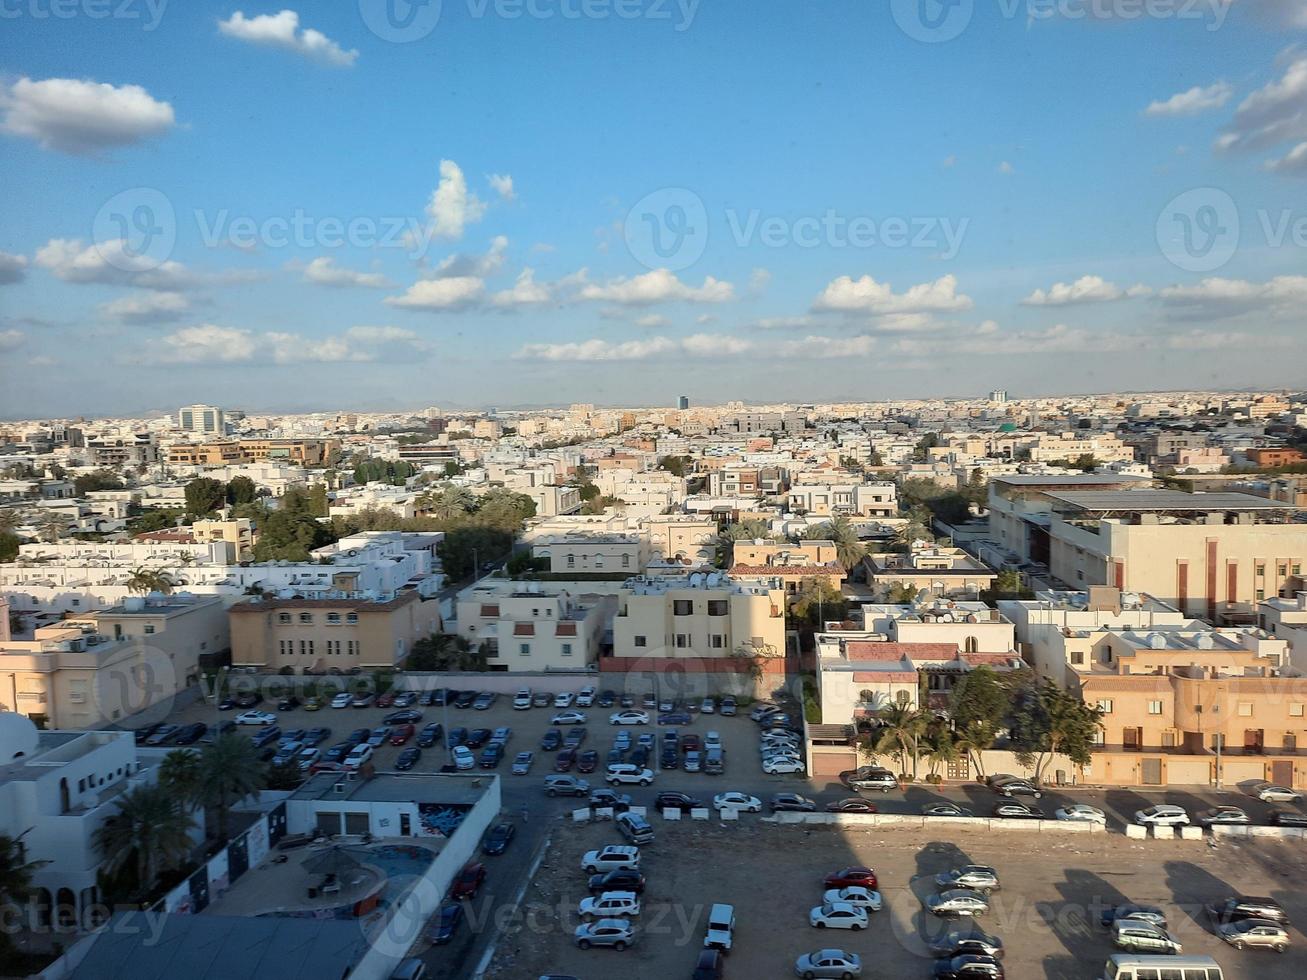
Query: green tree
(144, 580)
(979, 697)
(1048, 721)
(205, 495)
(600, 504)
(505, 510)
(450, 503)
(229, 772)
(8, 546)
(147, 832)
(446, 651)
(849, 551)
(179, 774)
(290, 537)
(160, 519)
(900, 730)
(52, 529)
(939, 746)
(15, 876)
(817, 600)
(285, 776)
(675, 465)
(241, 490)
(1007, 582)
(901, 593)
(97, 480)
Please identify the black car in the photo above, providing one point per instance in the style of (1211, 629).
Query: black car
(445, 923)
(1005, 785)
(444, 695)
(408, 758)
(289, 703)
(605, 797)
(491, 756)
(1287, 818)
(587, 761)
(615, 755)
(457, 737)
(792, 801)
(1146, 913)
(552, 739)
(142, 734)
(219, 730)
(969, 967)
(477, 737)
(498, 838)
(316, 737)
(639, 756)
(676, 801)
(565, 760)
(670, 759)
(1246, 907)
(606, 699)
(266, 736)
(338, 751)
(617, 881)
(674, 718)
(708, 966)
(358, 735)
(427, 698)
(1018, 811)
(249, 700)
(430, 735)
(974, 942)
(574, 737)
(190, 734)
(227, 704)
(465, 699)
(408, 716)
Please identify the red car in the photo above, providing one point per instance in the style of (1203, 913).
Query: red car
(862, 877)
(385, 700)
(468, 881)
(400, 734)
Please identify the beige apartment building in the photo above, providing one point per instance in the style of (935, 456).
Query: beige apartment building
(681, 539)
(1211, 555)
(935, 571)
(534, 626)
(788, 564)
(104, 668)
(845, 499)
(316, 635)
(1287, 620)
(1019, 508)
(593, 553)
(699, 616)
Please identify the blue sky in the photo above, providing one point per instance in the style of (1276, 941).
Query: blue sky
(1016, 192)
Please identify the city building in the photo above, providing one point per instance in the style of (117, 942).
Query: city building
(204, 419)
(535, 626)
(848, 499)
(935, 571)
(595, 553)
(699, 616)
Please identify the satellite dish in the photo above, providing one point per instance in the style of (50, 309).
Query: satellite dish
(696, 580)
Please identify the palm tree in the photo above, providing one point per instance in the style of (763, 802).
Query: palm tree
(52, 529)
(148, 829)
(940, 746)
(10, 520)
(15, 871)
(849, 551)
(450, 503)
(974, 739)
(179, 774)
(145, 580)
(229, 771)
(901, 726)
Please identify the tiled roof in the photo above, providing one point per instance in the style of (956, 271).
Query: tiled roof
(876, 650)
(524, 629)
(831, 568)
(489, 610)
(884, 676)
(565, 629)
(339, 605)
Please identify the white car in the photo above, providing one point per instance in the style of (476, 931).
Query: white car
(777, 756)
(628, 718)
(586, 697)
(357, 756)
(1162, 815)
(838, 915)
(781, 767)
(255, 718)
(1081, 812)
(624, 772)
(563, 699)
(712, 740)
(569, 718)
(609, 905)
(614, 857)
(342, 700)
(737, 801)
(772, 738)
(306, 758)
(707, 706)
(522, 699)
(1278, 794)
(463, 758)
(855, 895)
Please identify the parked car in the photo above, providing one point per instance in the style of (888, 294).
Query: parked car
(266, 736)
(569, 718)
(1008, 785)
(669, 759)
(522, 763)
(854, 804)
(945, 810)
(469, 880)
(361, 700)
(306, 758)
(616, 881)
(1143, 913)
(407, 759)
(445, 923)
(341, 700)
(491, 756)
(358, 755)
(828, 964)
(709, 965)
(164, 734)
(522, 699)
(1254, 932)
(385, 699)
(635, 829)
(1246, 907)
(693, 762)
(378, 736)
(465, 699)
(565, 760)
(863, 898)
(477, 737)
(248, 718)
(1223, 815)
(1162, 815)
(1012, 810)
(727, 706)
(501, 735)
(781, 765)
(674, 718)
(564, 699)
(406, 699)
(541, 699)
(316, 736)
(484, 701)
(498, 838)
(736, 801)
(967, 940)
(607, 699)
(957, 901)
(976, 877)
(430, 735)
(558, 785)
(857, 874)
(551, 740)
(337, 752)
(402, 734)
(625, 773)
(289, 703)
(587, 761)
(968, 967)
(456, 737)
(676, 801)
(585, 697)
(463, 758)
(602, 797)
(609, 905)
(614, 857)
(792, 802)
(617, 933)
(574, 737)
(1138, 936)
(1081, 812)
(405, 716)
(869, 777)
(838, 915)
(1287, 818)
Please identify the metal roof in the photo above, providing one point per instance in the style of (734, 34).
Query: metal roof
(1068, 480)
(1138, 500)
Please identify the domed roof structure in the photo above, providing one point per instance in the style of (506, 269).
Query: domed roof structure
(18, 737)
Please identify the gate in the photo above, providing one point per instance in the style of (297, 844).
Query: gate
(1151, 772)
(1282, 773)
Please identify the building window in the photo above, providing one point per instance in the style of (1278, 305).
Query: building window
(902, 697)
(1154, 707)
(1282, 570)
(717, 641)
(1245, 709)
(718, 607)
(972, 645)
(1168, 740)
(682, 607)
(1261, 569)
(283, 617)
(306, 617)
(1290, 742)
(682, 640)
(571, 560)
(1297, 569)
(1261, 594)
(599, 561)
(626, 561)
(1099, 737)
(1295, 709)
(639, 641)
(304, 647)
(567, 650)
(524, 649)
(351, 617)
(310, 648)
(1105, 705)
(353, 648)
(333, 619)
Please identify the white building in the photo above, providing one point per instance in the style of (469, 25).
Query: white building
(201, 419)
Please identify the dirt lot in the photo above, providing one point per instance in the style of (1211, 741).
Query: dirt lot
(1046, 914)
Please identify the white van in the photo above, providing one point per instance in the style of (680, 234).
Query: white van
(1132, 966)
(357, 756)
(721, 928)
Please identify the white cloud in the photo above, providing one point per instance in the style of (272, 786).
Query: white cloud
(1217, 298)
(651, 321)
(502, 184)
(324, 272)
(40, 361)
(525, 291)
(12, 268)
(1193, 101)
(483, 266)
(11, 339)
(109, 263)
(1006, 168)
(598, 350)
(206, 344)
(1086, 289)
(454, 293)
(82, 116)
(784, 323)
(155, 307)
(759, 280)
(283, 30)
(1293, 163)
(866, 295)
(658, 286)
(1275, 113)
(951, 160)
(383, 335)
(452, 206)
(212, 344)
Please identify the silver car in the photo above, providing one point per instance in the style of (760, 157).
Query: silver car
(1278, 794)
(957, 901)
(617, 933)
(1254, 932)
(976, 877)
(828, 963)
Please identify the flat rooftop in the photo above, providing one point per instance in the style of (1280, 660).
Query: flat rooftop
(1163, 500)
(1068, 480)
(452, 789)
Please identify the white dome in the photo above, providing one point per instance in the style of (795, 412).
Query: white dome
(18, 737)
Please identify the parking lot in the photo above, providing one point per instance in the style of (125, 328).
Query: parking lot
(1046, 913)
